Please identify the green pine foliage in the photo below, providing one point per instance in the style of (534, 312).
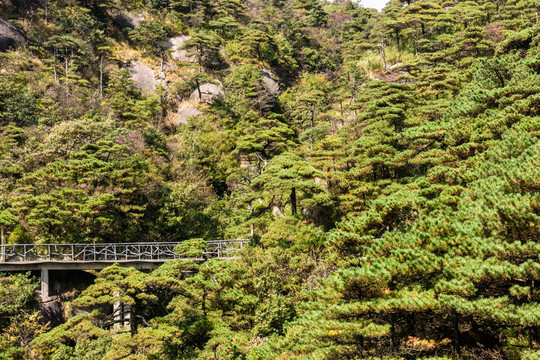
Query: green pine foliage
(385, 166)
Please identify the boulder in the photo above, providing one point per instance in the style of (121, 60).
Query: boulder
(143, 76)
(10, 36)
(183, 115)
(175, 44)
(270, 84)
(208, 93)
(129, 20)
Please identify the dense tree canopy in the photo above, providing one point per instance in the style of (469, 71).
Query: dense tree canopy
(384, 165)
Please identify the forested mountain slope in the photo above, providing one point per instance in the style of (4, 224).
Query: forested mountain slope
(386, 166)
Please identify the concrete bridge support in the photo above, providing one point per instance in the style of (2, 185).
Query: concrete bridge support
(45, 282)
(64, 267)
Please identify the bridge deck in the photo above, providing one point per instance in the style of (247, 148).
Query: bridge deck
(97, 256)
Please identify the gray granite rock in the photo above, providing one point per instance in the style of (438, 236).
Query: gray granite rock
(129, 20)
(10, 36)
(175, 44)
(183, 115)
(270, 84)
(208, 93)
(143, 76)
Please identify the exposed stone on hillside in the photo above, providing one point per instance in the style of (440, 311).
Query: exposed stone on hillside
(143, 76)
(208, 93)
(175, 44)
(10, 36)
(129, 20)
(270, 84)
(394, 73)
(184, 114)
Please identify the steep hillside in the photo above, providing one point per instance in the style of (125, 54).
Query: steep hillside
(385, 165)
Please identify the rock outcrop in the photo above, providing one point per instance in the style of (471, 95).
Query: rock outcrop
(184, 114)
(10, 36)
(143, 76)
(208, 93)
(175, 44)
(270, 84)
(129, 20)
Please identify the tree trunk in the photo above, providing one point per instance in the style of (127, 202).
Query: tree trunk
(251, 227)
(200, 57)
(383, 54)
(415, 41)
(3, 242)
(198, 89)
(101, 76)
(55, 56)
(133, 320)
(457, 345)
(393, 340)
(3, 234)
(396, 31)
(293, 201)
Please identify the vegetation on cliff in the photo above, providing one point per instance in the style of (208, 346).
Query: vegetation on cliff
(385, 165)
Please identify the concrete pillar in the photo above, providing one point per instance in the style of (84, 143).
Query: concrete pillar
(44, 284)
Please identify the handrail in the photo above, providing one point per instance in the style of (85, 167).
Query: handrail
(110, 252)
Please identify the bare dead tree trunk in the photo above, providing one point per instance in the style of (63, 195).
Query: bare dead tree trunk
(66, 72)
(383, 54)
(251, 227)
(198, 89)
(293, 201)
(55, 56)
(3, 242)
(101, 76)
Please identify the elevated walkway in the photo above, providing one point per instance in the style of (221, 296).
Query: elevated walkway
(45, 257)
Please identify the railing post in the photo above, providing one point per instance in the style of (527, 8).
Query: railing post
(72, 252)
(24, 252)
(95, 253)
(49, 251)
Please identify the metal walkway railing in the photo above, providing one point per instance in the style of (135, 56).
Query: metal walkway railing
(112, 252)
